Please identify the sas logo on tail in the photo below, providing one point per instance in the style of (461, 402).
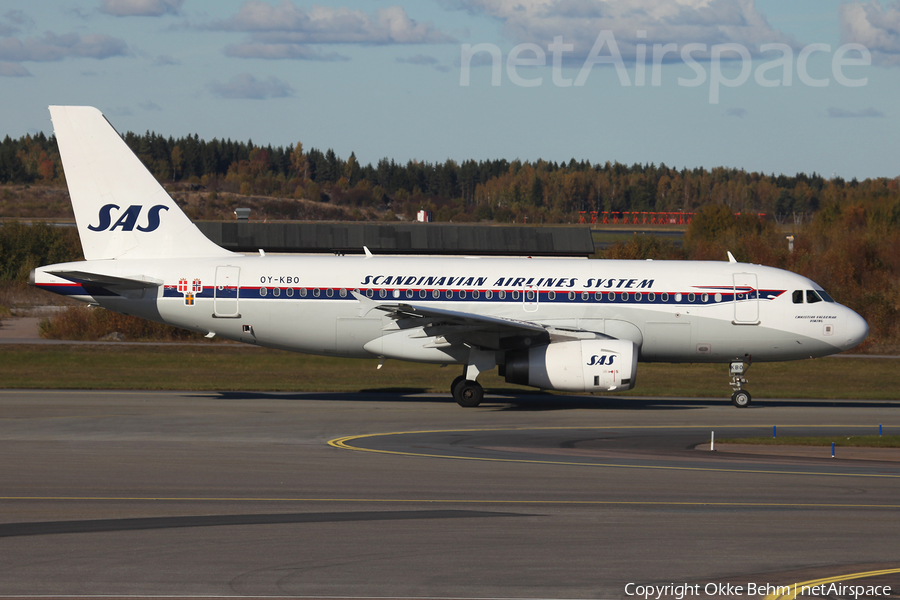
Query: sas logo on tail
(128, 219)
(601, 360)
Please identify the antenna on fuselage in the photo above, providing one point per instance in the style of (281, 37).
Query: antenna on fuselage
(731, 257)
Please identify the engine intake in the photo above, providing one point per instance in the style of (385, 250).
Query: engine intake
(576, 366)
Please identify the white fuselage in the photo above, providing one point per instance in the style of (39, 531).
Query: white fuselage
(673, 311)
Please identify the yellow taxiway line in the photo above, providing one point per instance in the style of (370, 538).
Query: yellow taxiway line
(798, 588)
(344, 444)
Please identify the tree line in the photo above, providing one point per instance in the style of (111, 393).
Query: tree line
(486, 190)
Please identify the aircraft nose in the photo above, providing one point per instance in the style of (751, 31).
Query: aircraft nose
(855, 330)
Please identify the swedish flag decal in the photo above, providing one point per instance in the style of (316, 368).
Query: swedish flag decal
(189, 299)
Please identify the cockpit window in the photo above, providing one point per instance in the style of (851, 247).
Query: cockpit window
(798, 296)
(825, 296)
(812, 297)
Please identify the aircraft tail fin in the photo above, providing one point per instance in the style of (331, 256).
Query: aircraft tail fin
(121, 210)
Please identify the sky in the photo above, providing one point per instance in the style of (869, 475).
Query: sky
(765, 85)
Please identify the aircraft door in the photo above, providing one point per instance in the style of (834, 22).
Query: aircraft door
(530, 298)
(227, 292)
(746, 299)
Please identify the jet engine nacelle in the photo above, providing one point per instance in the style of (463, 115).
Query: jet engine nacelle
(578, 366)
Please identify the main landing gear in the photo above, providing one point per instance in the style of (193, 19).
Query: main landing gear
(467, 392)
(741, 397)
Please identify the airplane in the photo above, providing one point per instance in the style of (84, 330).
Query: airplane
(574, 325)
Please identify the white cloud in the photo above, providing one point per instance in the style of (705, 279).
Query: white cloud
(164, 60)
(19, 17)
(53, 47)
(140, 8)
(8, 69)
(287, 31)
(875, 27)
(280, 51)
(579, 22)
(246, 86)
(843, 113)
(419, 59)
(15, 18)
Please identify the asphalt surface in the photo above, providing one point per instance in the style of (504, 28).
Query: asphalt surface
(263, 494)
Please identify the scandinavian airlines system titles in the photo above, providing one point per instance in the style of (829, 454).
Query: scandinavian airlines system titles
(503, 282)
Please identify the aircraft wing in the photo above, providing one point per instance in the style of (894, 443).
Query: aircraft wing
(451, 327)
(433, 316)
(108, 281)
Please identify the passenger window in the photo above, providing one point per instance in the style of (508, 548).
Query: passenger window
(812, 297)
(798, 296)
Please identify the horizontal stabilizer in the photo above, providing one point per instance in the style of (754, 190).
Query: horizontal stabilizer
(108, 281)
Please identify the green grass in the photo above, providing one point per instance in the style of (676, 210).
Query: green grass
(241, 367)
(855, 441)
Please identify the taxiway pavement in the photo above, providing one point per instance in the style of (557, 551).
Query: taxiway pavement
(222, 494)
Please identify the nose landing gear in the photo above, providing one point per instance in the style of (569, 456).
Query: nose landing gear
(741, 397)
